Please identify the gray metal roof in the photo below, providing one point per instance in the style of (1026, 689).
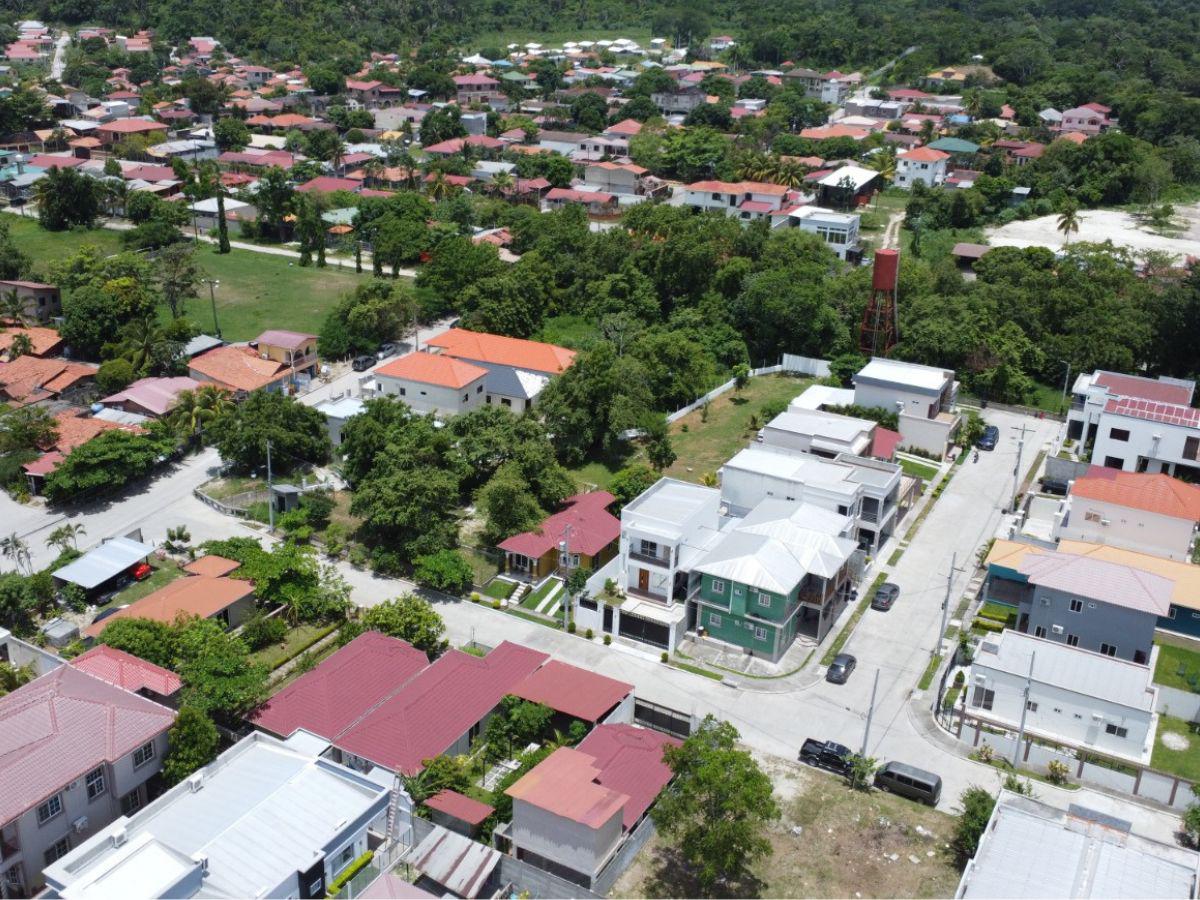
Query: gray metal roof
(457, 863)
(1031, 850)
(108, 560)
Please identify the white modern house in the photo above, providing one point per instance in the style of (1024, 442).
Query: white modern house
(1076, 697)
(865, 490)
(820, 433)
(1134, 510)
(1134, 423)
(747, 201)
(924, 398)
(838, 230)
(433, 383)
(266, 819)
(923, 164)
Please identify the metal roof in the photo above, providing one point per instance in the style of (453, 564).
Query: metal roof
(574, 691)
(457, 863)
(106, 561)
(1098, 579)
(1033, 850)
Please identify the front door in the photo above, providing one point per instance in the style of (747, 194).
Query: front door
(643, 580)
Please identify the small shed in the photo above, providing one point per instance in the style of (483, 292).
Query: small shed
(458, 812)
(453, 865)
(285, 497)
(96, 568)
(59, 632)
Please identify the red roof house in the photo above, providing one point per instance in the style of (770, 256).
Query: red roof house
(450, 808)
(329, 698)
(128, 671)
(494, 349)
(589, 529)
(574, 691)
(630, 761)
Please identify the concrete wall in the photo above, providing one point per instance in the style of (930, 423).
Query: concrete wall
(1181, 704)
(1130, 631)
(429, 398)
(21, 653)
(572, 844)
(1100, 522)
(930, 435)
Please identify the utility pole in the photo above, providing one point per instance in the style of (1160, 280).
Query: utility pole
(870, 713)
(937, 644)
(1024, 709)
(1062, 406)
(270, 493)
(1017, 468)
(213, 283)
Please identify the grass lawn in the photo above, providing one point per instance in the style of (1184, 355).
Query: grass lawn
(484, 569)
(1184, 762)
(231, 486)
(500, 590)
(257, 291)
(1175, 654)
(296, 641)
(843, 850)
(916, 469)
(534, 598)
(703, 447)
(165, 571)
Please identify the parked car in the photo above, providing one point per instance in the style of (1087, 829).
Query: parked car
(987, 440)
(386, 349)
(1055, 486)
(885, 595)
(141, 571)
(841, 667)
(362, 363)
(826, 755)
(111, 611)
(909, 781)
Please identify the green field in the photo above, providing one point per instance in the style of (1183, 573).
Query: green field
(1178, 660)
(1185, 762)
(257, 290)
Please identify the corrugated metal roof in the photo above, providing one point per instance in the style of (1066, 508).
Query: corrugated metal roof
(106, 561)
(574, 691)
(460, 806)
(1098, 579)
(630, 761)
(457, 863)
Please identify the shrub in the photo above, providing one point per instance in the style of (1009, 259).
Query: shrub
(260, 631)
(607, 639)
(571, 628)
(987, 753)
(446, 570)
(665, 656)
(350, 871)
(1057, 771)
(589, 634)
(977, 805)
(959, 679)
(475, 596)
(495, 604)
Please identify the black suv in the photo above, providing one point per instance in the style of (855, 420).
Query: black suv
(885, 596)
(362, 363)
(987, 440)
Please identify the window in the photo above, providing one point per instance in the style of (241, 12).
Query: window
(1118, 434)
(1092, 516)
(143, 755)
(479, 390)
(346, 855)
(131, 803)
(1076, 605)
(466, 396)
(714, 620)
(403, 392)
(1039, 631)
(983, 697)
(58, 851)
(1072, 640)
(95, 783)
(1114, 462)
(1191, 448)
(649, 548)
(760, 633)
(1108, 649)
(1031, 705)
(48, 810)
(317, 888)
(1116, 730)
(764, 599)
(718, 586)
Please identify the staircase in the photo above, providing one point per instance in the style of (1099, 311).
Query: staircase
(514, 599)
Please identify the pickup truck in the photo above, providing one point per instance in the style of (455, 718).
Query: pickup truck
(826, 755)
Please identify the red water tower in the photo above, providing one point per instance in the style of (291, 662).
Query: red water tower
(880, 323)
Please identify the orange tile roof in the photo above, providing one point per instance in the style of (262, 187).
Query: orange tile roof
(239, 368)
(28, 379)
(432, 368)
(74, 430)
(1156, 493)
(739, 187)
(193, 595)
(213, 566)
(476, 346)
(564, 784)
(924, 154)
(44, 340)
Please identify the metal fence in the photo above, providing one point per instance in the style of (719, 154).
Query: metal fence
(662, 718)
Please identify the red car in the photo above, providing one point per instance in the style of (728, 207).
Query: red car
(141, 571)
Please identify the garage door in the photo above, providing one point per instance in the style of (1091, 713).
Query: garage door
(653, 633)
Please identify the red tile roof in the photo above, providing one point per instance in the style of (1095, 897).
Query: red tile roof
(238, 368)
(630, 761)
(738, 187)
(44, 340)
(432, 368)
(212, 565)
(574, 691)
(127, 671)
(565, 784)
(884, 442)
(63, 725)
(192, 595)
(924, 154)
(131, 126)
(592, 528)
(288, 340)
(1167, 413)
(460, 806)
(28, 379)
(438, 707)
(1145, 388)
(342, 689)
(1157, 493)
(572, 196)
(494, 349)
(327, 184)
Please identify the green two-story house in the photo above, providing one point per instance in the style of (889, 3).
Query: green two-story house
(781, 572)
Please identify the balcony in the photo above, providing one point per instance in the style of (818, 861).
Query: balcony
(646, 595)
(652, 560)
(8, 847)
(869, 515)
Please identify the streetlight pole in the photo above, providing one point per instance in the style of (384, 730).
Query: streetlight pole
(270, 493)
(937, 644)
(1017, 468)
(1024, 709)
(870, 713)
(213, 284)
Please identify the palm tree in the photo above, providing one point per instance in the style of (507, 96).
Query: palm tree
(195, 409)
(789, 173)
(143, 344)
(502, 182)
(65, 535)
(372, 169)
(12, 308)
(1068, 220)
(12, 547)
(883, 161)
(20, 345)
(439, 188)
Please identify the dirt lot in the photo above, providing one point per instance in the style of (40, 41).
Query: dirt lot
(1099, 225)
(831, 842)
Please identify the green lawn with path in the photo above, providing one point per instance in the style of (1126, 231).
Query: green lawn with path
(534, 598)
(257, 291)
(295, 642)
(1178, 660)
(1185, 762)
